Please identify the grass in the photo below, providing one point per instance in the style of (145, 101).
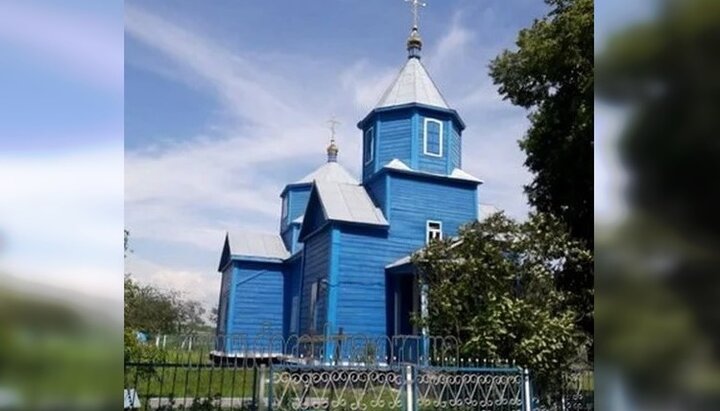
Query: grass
(191, 381)
(182, 374)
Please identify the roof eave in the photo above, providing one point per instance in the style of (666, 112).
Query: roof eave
(258, 259)
(295, 185)
(360, 223)
(376, 110)
(420, 174)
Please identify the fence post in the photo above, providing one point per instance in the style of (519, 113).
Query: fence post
(261, 395)
(526, 390)
(270, 387)
(253, 403)
(409, 388)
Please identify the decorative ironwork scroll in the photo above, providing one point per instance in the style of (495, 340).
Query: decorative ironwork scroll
(345, 388)
(471, 388)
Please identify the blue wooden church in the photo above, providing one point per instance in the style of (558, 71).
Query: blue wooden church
(341, 260)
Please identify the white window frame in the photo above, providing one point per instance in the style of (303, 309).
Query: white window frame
(313, 304)
(371, 143)
(425, 140)
(428, 230)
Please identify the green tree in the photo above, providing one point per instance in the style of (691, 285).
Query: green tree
(551, 74)
(149, 309)
(494, 290)
(153, 310)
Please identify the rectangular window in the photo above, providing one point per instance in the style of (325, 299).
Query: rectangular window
(434, 231)
(433, 137)
(284, 209)
(369, 146)
(313, 305)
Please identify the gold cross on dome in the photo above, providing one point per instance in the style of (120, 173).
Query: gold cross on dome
(333, 124)
(415, 7)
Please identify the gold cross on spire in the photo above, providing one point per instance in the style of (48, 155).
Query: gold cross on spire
(333, 123)
(415, 7)
(332, 149)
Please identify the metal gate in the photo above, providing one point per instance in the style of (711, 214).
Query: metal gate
(340, 372)
(406, 387)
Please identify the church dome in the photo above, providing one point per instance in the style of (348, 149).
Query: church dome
(332, 152)
(414, 43)
(413, 85)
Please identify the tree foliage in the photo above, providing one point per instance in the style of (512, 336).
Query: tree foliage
(494, 289)
(551, 74)
(152, 310)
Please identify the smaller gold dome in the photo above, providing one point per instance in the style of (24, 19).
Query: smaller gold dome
(332, 151)
(414, 43)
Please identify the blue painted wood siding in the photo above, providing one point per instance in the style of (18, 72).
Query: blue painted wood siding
(290, 238)
(298, 201)
(455, 152)
(393, 131)
(258, 298)
(414, 201)
(365, 252)
(363, 255)
(316, 266)
(223, 305)
(293, 278)
(297, 198)
(369, 167)
(451, 150)
(378, 193)
(399, 134)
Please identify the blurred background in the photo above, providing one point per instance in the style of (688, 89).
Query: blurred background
(657, 227)
(61, 204)
(656, 197)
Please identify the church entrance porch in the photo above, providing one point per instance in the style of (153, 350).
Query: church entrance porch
(405, 304)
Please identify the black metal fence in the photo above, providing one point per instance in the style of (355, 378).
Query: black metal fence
(354, 372)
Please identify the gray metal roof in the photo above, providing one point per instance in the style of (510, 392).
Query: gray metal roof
(402, 261)
(463, 175)
(348, 202)
(329, 172)
(253, 244)
(397, 165)
(457, 173)
(412, 85)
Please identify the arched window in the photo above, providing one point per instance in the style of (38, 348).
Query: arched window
(433, 137)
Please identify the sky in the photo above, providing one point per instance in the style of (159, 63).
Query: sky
(61, 145)
(187, 119)
(226, 102)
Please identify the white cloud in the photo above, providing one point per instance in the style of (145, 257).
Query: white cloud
(176, 194)
(61, 219)
(452, 48)
(191, 192)
(366, 83)
(202, 286)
